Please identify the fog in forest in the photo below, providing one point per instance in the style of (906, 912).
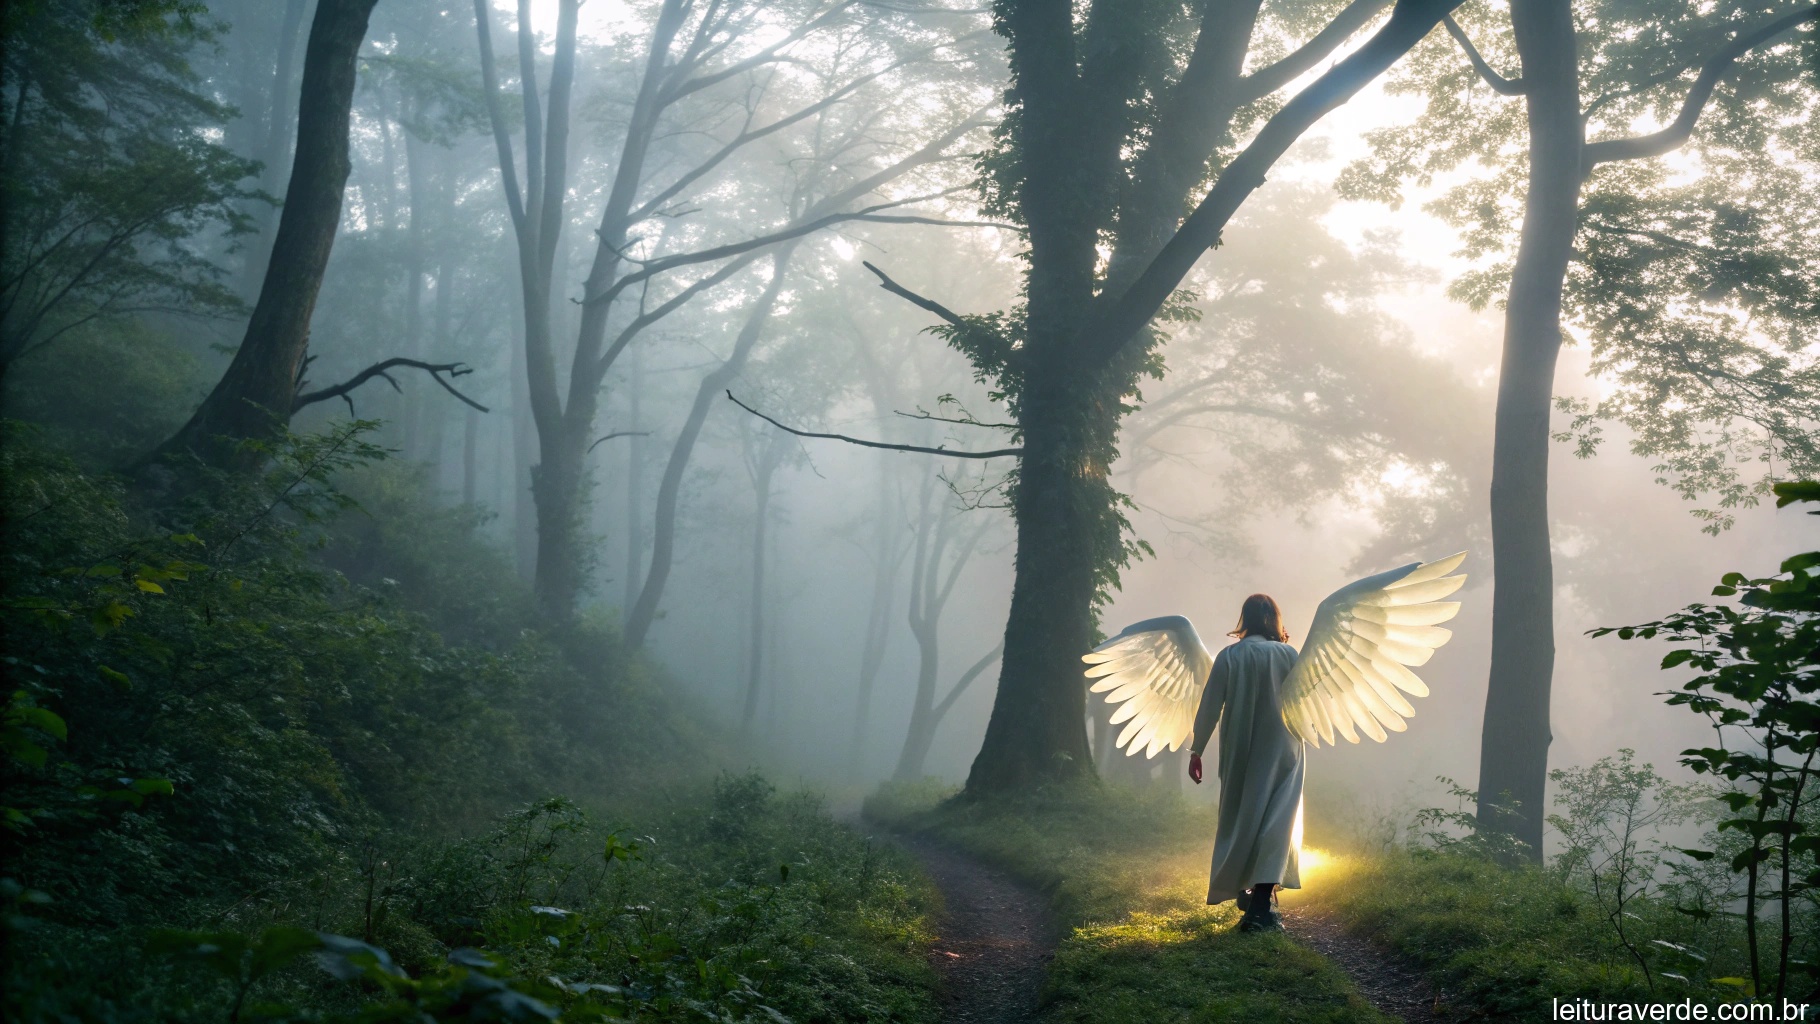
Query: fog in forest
(1328, 415)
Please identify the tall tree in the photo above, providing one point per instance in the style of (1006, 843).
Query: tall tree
(1108, 134)
(255, 397)
(1594, 237)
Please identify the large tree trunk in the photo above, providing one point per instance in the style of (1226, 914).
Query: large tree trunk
(1038, 726)
(253, 399)
(669, 490)
(1513, 758)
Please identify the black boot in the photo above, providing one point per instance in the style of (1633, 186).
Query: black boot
(1260, 916)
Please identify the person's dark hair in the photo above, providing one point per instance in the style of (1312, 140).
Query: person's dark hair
(1261, 617)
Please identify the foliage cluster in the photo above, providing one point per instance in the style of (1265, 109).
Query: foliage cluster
(1619, 913)
(1127, 876)
(1692, 283)
(1758, 684)
(215, 729)
(110, 174)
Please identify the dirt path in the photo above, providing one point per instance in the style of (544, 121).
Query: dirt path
(1392, 988)
(995, 941)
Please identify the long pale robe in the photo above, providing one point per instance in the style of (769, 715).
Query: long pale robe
(1260, 769)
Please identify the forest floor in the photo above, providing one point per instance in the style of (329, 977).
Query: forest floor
(995, 937)
(1396, 988)
(996, 940)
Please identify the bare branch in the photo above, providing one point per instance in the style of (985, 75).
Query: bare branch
(435, 370)
(876, 444)
(617, 433)
(1671, 138)
(1499, 84)
(885, 282)
(967, 679)
(758, 59)
(797, 230)
(922, 415)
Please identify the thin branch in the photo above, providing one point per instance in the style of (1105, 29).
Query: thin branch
(876, 444)
(922, 415)
(617, 433)
(797, 230)
(435, 370)
(885, 282)
(1671, 138)
(967, 679)
(758, 59)
(1499, 84)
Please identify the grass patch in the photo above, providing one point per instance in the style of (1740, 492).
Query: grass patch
(1127, 877)
(1505, 942)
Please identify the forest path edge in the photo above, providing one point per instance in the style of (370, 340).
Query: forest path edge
(995, 937)
(1383, 978)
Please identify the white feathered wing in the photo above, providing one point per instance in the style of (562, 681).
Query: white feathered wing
(1358, 651)
(1156, 669)
(1347, 676)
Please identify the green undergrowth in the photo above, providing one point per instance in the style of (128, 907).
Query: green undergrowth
(1126, 875)
(1503, 943)
(284, 748)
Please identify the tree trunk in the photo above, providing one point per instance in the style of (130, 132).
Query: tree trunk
(524, 456)
(413, 406)
(1037, 731)
(470, 455)
(669, 490)
(761, 484)
(253, 399)
(537, 220)
(887, 558)
(635, 485)
(1513, 758)
(925, 616)
(272, 152)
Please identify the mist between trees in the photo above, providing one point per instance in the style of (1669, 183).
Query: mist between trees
(852, 367)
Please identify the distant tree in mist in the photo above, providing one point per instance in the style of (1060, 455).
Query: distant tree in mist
(701, 65)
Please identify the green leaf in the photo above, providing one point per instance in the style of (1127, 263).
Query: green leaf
(116, 677)
(148, 586)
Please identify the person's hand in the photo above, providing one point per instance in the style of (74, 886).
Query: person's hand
(1194, 768)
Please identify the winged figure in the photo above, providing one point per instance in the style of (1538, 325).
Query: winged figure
(1352, 676)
